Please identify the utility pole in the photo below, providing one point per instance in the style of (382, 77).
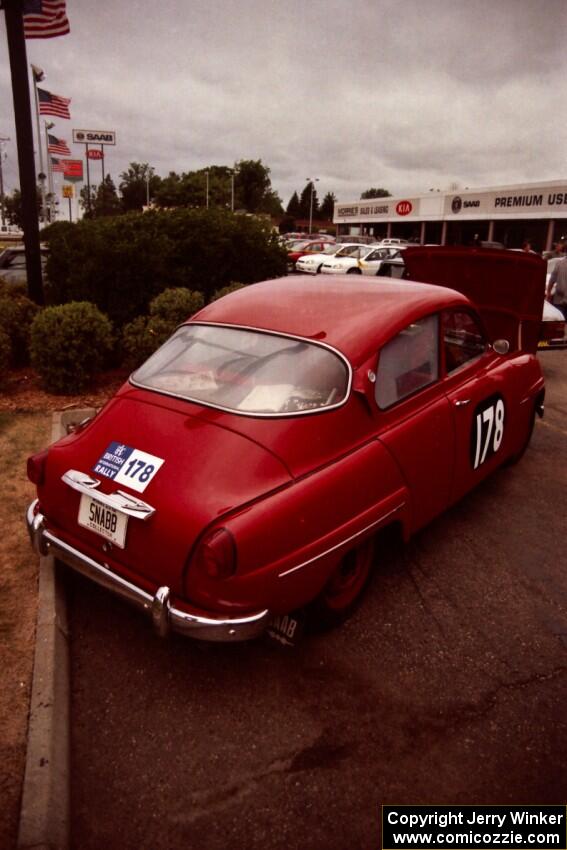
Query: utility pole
(3, 139)
(24, 135)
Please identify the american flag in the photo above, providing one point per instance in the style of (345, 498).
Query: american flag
(52, 104)
(56, 165)
(45, 18)
(57, 146)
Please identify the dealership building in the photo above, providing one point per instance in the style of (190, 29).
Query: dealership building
(508, 214)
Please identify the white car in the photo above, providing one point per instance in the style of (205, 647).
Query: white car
(553, 328)
(312, 263)
(349, 262)
(373, 263)
(394, 243)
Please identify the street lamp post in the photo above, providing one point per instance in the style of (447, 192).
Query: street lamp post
(207, 186)
(312, 180)
(3, 139)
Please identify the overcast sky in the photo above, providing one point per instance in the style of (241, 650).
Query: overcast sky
(403, 94)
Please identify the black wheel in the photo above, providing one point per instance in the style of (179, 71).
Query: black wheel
(344, 589)
(319, 269)
(355, 270)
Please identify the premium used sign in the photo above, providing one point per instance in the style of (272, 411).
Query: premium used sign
(94, 137)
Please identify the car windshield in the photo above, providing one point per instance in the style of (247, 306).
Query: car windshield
(246, 371)
(348, 251)
(297, 246)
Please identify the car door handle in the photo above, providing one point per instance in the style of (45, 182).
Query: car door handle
(460, 402)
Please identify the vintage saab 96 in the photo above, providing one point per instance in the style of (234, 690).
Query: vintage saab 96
(249, 468)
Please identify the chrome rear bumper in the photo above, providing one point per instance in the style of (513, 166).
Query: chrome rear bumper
(165, 617)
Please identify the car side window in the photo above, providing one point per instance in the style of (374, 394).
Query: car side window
(463, 339)
(408, 362)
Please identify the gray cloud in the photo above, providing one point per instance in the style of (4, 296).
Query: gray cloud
(398, 93)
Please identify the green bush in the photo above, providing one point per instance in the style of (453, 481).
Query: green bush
(69, 344)
(145, 334)
(175, 305)
(121, 263)
(16, 316)
(226, 290)
(5, 355)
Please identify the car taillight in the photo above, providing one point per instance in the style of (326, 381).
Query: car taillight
(552, 330)
(216, 554)
(36, 467)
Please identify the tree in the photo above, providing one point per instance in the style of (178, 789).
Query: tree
(305, 201)
(135, 184)
(13, 207)
(253, 188)
(327, 207)
(103, 199)
(293, 209)
(375, 193)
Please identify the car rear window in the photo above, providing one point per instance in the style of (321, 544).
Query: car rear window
(246, 371)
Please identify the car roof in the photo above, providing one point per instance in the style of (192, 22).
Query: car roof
(353, 314)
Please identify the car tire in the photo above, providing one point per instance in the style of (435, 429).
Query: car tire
(354, 271)
(319, 269)
(344, 588)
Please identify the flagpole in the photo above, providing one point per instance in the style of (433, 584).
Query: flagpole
(48, 126)
(24, 137)
(41, 174)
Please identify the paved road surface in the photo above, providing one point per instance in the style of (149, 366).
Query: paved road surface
(448, 686)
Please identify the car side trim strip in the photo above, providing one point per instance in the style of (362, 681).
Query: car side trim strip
(343, 542)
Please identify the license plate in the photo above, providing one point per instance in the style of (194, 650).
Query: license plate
(103, 520)
(287, 629)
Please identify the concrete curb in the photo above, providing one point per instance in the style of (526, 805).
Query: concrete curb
(44, 814)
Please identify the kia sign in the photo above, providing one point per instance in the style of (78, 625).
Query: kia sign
(404, 207)
(94, 153)
(94, 137)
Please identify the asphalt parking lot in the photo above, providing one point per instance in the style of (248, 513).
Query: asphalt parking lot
(449, 685)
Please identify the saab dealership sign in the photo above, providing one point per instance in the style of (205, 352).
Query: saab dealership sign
(522, 202)
(94, 137)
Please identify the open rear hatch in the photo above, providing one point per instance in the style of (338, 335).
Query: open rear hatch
(506, 287)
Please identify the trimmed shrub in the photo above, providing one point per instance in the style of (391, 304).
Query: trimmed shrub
(69, 344)
(121, 263)
(145, 334)
(226, 290)
(16, 316)
(175, 305)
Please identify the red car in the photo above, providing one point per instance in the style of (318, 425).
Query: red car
(249, 468)
(298, 249)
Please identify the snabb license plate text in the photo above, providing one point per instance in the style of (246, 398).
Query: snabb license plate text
(103, 520)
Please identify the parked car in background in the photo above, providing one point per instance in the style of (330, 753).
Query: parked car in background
(348, 263)
(378, 264)
(312, 263)
(394, 242)
(10, 233)
(553, 328)
(251, 466)
(13, 264)
(299, 249)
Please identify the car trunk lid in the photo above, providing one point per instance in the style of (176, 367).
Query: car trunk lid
(207, 471)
